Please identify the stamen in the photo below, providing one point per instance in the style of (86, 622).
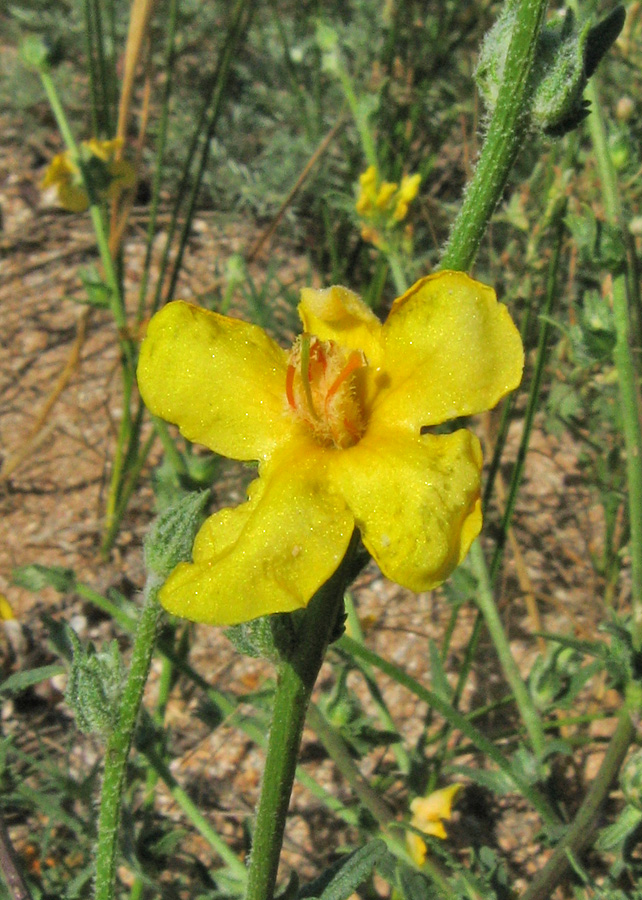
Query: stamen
(306, 374)
(289, 386)
(355, 362)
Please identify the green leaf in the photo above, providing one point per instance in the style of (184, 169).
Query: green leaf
(440, 684)
(342, 879)
(98, 293)
(35, 577)
(20, 681)
(613, 836)
(414, 885)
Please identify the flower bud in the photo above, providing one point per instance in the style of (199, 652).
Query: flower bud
(170, 539)
(95, 686)
(631, 779)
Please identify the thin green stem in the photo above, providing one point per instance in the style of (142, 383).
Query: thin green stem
(191, 810)
(116, 303)
(624, 364)
(397, 272)
(119, 743)
(360, 118)
(340, 755)
(126, 488)
(241, 18)
(118, 463)
(486, 602)
(503, 139)
(353, 627)
(297, 674)
(161, 143)
(580, 833)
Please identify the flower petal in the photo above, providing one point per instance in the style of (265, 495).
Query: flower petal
(221, 380)
(270, 554)
(436, 806)
(338, 314)
(449, 350)
(415, 500)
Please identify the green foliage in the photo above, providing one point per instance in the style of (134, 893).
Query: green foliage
(567, 55)
(94, 687)
(341, 880)
(170, 539)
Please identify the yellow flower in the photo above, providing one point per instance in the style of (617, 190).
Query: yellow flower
(65, 177)
(427, 815)
(339, 425)
(381, 205)
(109, 175)
(407, 192)
(6, 612)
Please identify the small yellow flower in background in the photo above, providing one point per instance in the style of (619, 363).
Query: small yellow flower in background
(406, 194)
(109, 175)
(338, 426)
(383, 204)
(6, 612)
(428, 815)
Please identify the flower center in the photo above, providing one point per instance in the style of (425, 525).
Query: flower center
(321, 390)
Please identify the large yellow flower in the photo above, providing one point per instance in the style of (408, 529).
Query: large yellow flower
(339, 425)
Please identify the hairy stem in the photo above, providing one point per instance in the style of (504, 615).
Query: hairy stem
(296, 676)
(119, 743)
(503, 139)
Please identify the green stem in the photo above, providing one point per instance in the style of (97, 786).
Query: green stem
(397, 272)
(361, 121)
(581, 831)
(340, 756)
(296, 676)
(353, 628)
(486, 603)
(235, 866)
(119, 743)
(117, 469)
(503, 139)
(116, 303)
(624, 364)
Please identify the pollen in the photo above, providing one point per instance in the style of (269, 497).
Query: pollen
(321, 387)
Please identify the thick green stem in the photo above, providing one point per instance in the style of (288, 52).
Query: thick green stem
(624, 364)
(297, 674)
(503, 140)
(119, 744)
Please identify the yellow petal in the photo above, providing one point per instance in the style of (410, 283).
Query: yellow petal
(449, 350)
(338, 314)
(73, 197)
(269, 555)
(123, 174)
(428, 811)
(415, 500)
(6, 612)
(105, 150)
(416, 847)
(221, 380)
